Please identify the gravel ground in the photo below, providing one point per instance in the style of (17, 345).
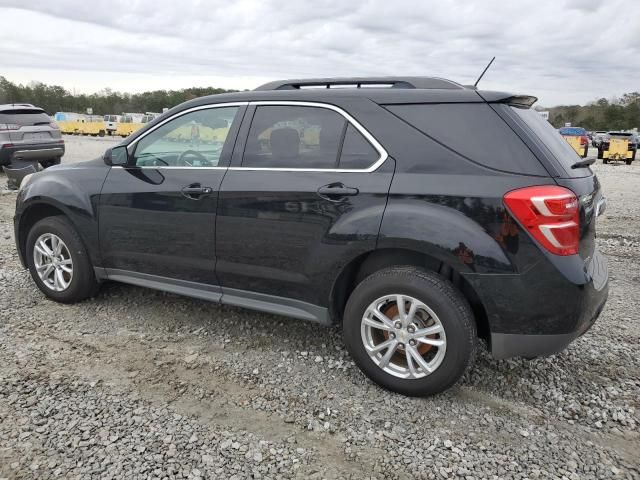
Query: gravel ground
(142, 384)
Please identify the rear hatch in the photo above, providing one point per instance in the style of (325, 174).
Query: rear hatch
(563, 164)
(29, 125)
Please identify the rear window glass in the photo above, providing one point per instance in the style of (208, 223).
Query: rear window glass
(24, 117)
(474, 131)
(552, 140)
(572, 131)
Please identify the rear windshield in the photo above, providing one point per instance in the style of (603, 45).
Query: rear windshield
(474, 131)
(24, 117)
(572, 131)
(552, 140)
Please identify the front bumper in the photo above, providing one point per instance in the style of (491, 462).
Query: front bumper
(39, 151)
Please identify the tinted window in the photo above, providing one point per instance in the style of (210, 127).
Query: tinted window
(293, 137)
(474, 131)
(192, 140)
(24, 117)
(357, 152)
(551, 139)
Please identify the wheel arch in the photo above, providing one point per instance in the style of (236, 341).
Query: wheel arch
(367, 263)
(35, 211)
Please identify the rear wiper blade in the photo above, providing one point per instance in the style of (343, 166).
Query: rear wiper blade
(584, 163)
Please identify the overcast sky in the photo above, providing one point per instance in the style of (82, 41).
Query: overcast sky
(562, 51)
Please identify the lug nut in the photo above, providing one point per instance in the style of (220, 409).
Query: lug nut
(398, 325)
(412, 343)
(401, 345)
(411, 329)
(392, 335)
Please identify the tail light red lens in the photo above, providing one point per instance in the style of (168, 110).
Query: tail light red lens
(584, 140)
(550, 213)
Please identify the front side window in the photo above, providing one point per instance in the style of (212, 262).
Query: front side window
(195, 139)
(283, 136)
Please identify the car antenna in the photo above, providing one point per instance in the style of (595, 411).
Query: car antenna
(483, 72)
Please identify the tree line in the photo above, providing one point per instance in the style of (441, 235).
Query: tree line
(604, 114)
(54, 98)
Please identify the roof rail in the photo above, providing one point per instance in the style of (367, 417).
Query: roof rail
(362, 82)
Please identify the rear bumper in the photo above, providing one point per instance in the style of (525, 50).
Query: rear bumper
(507, 345)
(542, 311)
(42, 151)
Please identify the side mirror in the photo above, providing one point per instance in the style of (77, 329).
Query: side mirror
(116, 156)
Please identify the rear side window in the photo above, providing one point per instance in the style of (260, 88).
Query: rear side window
(24, 117)
(474, 131)
(294, 137)
(357, 152)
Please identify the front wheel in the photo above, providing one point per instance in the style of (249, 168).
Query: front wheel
(410, 331)
(58, 261)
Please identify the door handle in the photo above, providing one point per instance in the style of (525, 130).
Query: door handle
(335, 191)
(196, 191)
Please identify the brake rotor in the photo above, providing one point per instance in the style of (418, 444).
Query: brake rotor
(392, 311)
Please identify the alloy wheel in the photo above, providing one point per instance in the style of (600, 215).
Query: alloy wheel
(52, 261)
(403, 336)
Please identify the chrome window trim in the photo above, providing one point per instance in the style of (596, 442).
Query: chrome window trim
(383, 155)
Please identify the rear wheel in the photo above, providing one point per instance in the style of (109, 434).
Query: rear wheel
(409, 331)
(586, 151)
(59, 262)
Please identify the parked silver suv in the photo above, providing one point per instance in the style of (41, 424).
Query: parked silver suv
(27, 133)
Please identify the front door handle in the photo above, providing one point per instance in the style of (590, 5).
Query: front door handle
(336, 191)
(195, 191)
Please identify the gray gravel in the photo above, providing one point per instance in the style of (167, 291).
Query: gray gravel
(142, 384)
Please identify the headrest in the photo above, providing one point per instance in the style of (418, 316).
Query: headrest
(285, 142)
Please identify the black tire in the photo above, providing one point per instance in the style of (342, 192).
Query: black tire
(101, 133)
(50, 162)
(600, 153)
(605, 161)
(83, 282)
(440, 296)
(586, 152)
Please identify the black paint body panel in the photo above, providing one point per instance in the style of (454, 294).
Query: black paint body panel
(271, 242)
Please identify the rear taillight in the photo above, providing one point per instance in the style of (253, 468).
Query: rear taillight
(584, 140)
(54, 125)
(9, 126)
(550, 214)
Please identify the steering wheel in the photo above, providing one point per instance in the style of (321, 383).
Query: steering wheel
(181, 159)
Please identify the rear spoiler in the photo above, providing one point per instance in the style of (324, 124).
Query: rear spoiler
(520, 101)
(523, 101)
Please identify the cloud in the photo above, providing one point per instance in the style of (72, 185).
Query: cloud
(562, 52)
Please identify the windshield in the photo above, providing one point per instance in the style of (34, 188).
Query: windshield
(552, 140)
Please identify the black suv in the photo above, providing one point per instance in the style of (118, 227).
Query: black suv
(419, 213)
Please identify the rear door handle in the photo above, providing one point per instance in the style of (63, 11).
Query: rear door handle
(196, 191)
(336, 191)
